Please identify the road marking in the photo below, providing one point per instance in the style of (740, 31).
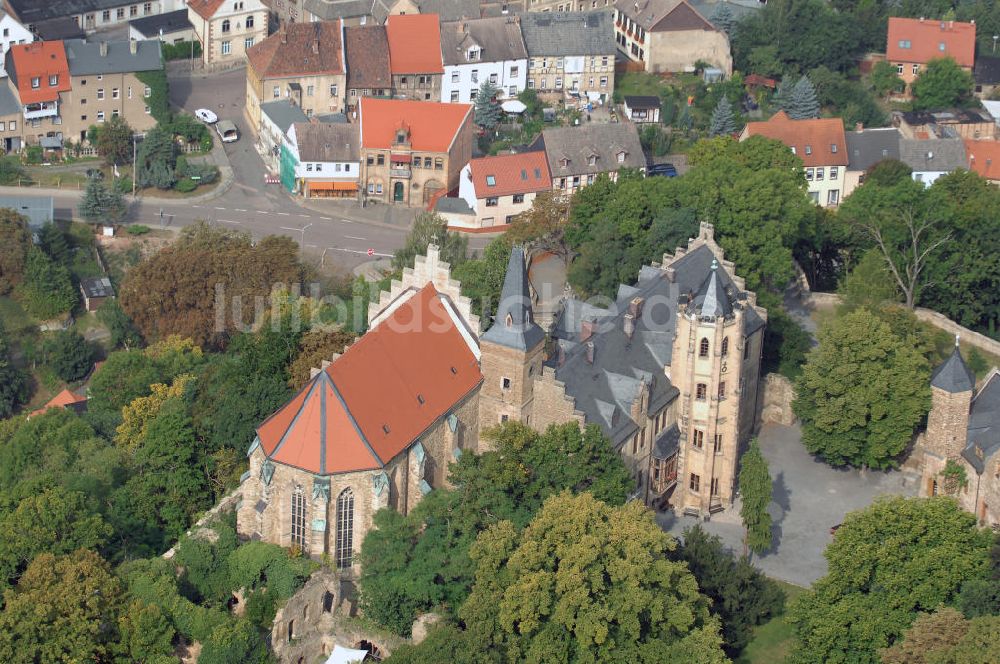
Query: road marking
(283, 214)
(353, 237)
(327, 218)
(261, 211)
(313, 246)
(286, 228)
(226, 221)
(307, 216)
(197, 206)
(358, 251)
(218, 208)
(239, 210)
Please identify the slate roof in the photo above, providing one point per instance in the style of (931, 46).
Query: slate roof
(451, 10)
(867, 147)
(711, 299)
(150, 26)
(299, 49)
(367, 50)
(642, 101)
(953, 375)
(85, 58)
(64, 27)
(987, 70)
(929, 39)
(97, 287)
(941, 154)
(984, 424)
(667, 442)
(578, 144)
(605, 390)
(327, 10)
(327, 141)
(560, 34)
(816, 141)
(664, 15)
(380, 396)
(8, 101)
(514, 325)
(521, 173)
(499, 38)
(33, 11)
(283, 113)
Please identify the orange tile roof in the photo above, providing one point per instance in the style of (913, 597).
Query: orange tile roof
(818, 142)
(205, 8)
(414, 44)
(380, 396)
(39, 60)
(929, 39)
(432, 125)
(61, 400)
(984, 158)
(511, 174)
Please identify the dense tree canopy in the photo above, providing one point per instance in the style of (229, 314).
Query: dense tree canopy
(47, 290)
(13, 384)
(887, 562)
(862, 392)
(429, 228)
(15, 242)
(941, 84)
(69, 354)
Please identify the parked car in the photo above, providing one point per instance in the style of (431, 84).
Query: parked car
(206, 116)
(227, 131)
(662, 170)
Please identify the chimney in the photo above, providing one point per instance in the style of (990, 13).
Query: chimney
(671, 274)
(315, 47)
(283, 33)
(587, 329)
(133, 46)
(635, 307)
(629, 325)
(560, 356)
(859, 127)
(104, 49)
(590, 352)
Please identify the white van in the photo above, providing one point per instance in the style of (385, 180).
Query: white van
(228, 131)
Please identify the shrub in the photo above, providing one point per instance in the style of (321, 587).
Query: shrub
(185, 185)
(137, 229)
(34, 154)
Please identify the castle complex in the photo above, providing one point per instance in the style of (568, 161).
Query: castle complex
(963, 435)
(669, 372)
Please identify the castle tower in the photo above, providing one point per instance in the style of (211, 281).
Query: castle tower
(707, 366)
(511, 352)
(952, 386)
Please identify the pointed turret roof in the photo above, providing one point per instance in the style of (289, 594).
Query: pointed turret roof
(712, 300)
(514, 325)
(953, 375)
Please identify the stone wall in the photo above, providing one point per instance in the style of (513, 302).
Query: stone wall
(777, 394)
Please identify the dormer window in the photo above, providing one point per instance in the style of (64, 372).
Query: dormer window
(833, 148)
(474, 54)
(793, 149)
(809, 149)
(36, 82)
(941, 46)
(401, 136)
(592, 160)
(509, 321)
(564, 162)
(621, 157)
(54, 80)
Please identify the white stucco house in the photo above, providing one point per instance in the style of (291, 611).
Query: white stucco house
(11, 32)
(486, 49)
(328, 158)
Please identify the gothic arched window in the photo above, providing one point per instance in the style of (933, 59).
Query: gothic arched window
(298, 518)
(225, 25)
(725, 347)
(703, 347)
(345, 528)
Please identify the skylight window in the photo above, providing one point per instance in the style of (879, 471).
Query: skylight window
(491, 181)
(904, 43)
(524, 174)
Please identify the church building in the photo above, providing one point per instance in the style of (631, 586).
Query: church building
(669, 371)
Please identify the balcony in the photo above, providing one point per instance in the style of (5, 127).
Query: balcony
(45, 109)
(400, 172)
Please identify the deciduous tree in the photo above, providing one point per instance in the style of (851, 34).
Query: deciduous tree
(862, 392)
(114, 141)
(47, 290)
(430, 228)
(15, 242)
(315, 346)
(930, 634)
(941, 84)
(13, 386)
(482, 278)
(69, 354)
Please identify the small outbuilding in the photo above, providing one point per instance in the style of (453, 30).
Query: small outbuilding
(642, 108)
(95, 291)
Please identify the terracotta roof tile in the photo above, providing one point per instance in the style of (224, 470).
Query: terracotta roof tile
(64, 399)
(39, 60)
(205, 8)
(433, 125)
(367, 49)
(300, 49)
(414, 44)
(510, 174)
(984, 158)
(818, 142)
(929, 39)
(380, 396)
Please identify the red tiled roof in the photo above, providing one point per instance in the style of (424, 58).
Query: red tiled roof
(432, 125)
(205, 8)
(984, 158)
(929, 39)
(380, 396)
(61, 400)
(414, 44)
(818, 142)
(510, 174)
(40, 60)
(299, 49)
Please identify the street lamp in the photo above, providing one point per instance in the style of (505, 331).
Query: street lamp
(995, 38)
(302, 243)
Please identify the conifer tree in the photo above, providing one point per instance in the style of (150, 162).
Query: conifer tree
(803, 103)
(487, 107)
(755, 492)
(723, 123)
(723, 18)
(783, 95)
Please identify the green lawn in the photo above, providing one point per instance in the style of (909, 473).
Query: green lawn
(772, 641)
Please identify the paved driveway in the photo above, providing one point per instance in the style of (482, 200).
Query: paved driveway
(809, 498)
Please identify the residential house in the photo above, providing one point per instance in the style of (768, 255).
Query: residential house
(480, 50)
(669, 36)
(96, 291)
(986, 75)
(642, 109)
(415, 56)
(984, 159)
(497, 189)
(564, 6)
(970, 123)
(821, 145)
(413, 151)
(328, 158)
(67, 400)
(577, 155)
(11, 33)
(169, 28)
(456, 10)
(63, 88)
(368, 72)
(59, 29)
(303, 62)
(571, 52)
(930, 159)
(913, 42)
(227, 29)
(90, 15)
(865, 148)
(353, 12)
(963, 430)
(276, 118)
